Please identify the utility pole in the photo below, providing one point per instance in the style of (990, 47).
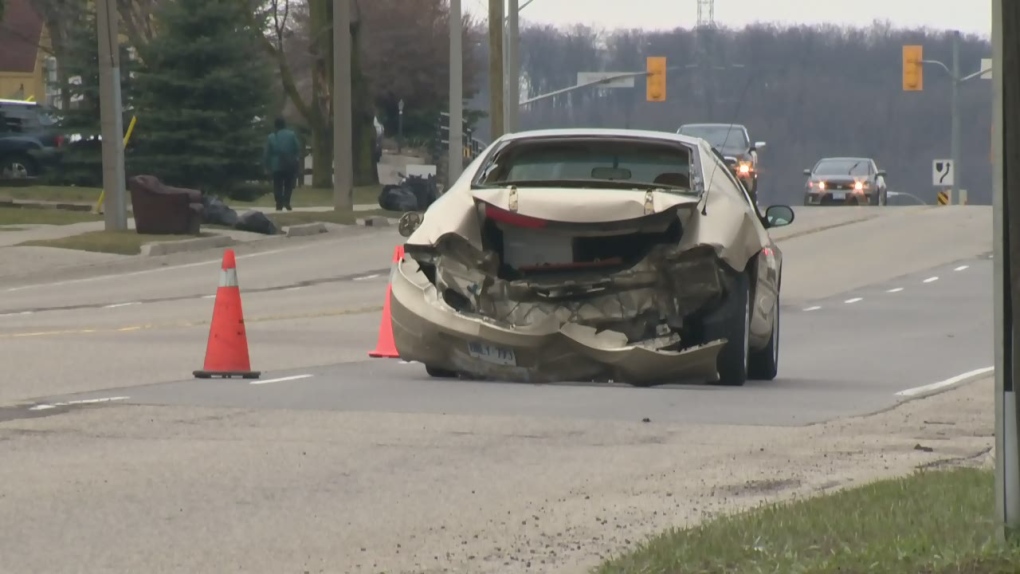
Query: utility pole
(455, 135)
(513, 72)
(343, 145)
(111, 116)
(1006, 258)
(954, 118)
(496, 74)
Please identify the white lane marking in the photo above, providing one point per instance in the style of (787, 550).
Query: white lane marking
(281, 379)
(961, 268)
(294, 288)
(931, 279)
(403, 362)
(854, 300)
(895, 290)
(46, 406)
(115, 305)
(15, 314)
(208, 296)
(946, 383)
(815, 308)
(367, 277)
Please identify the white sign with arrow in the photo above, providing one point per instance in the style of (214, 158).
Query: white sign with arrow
(942, 173)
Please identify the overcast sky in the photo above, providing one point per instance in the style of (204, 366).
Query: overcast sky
(968, 16)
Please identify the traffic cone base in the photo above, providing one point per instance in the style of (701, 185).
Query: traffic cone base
(226, 354)
(385, 348)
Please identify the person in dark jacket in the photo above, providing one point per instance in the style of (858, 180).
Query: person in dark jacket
(282, 159)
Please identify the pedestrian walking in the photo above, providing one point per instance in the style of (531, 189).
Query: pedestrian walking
(282, 159)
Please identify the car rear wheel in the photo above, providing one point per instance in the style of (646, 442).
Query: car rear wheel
(763, 364)
(17, 166)
(733, 323)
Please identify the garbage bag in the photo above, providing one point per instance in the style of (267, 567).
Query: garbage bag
(255, 222)
(424, 189)
(216, 212)
(397, 198)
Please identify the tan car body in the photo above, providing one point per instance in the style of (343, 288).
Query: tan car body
(547, 338)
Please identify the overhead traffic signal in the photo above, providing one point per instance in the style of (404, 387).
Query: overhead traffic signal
(656, 79)
(913, 69)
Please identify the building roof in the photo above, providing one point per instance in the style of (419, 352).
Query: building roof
(20, 34)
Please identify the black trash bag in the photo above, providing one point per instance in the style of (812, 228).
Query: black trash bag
(424, 188)
(397, 198)
(255, 222)
(216, 212)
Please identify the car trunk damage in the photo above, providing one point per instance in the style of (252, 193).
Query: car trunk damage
(616, 281)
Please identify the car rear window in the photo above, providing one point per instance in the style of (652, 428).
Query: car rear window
(638, 162)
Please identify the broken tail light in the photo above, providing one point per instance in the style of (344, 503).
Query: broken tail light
(515, 219)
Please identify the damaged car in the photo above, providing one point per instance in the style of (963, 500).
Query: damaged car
(592, 255)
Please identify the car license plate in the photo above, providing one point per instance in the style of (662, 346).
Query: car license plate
(838, 195)
(493, 354)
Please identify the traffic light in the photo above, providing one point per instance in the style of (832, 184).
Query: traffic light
(913, 69)
(656, 78)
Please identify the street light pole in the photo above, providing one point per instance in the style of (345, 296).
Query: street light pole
(513, 72)
(455, 145)
(111, 116)
(496, 75)
(954, 118)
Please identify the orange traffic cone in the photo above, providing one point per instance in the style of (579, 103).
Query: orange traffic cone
(226, 353)
(385, 347)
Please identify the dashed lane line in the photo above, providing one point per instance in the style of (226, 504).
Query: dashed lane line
(895, 290)
(118, 305)
(47, 406)
(281, 380)
(188, 324)
(854, 300)
(931, 279)
(961, 268)
(814, 308)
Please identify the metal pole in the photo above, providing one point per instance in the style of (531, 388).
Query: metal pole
(954, 145)
(111, 116)
(496, 78)
(1005, 232)
(343, 144)
(456, 129)
(513, 87)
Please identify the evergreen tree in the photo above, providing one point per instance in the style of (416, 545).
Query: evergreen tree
(82, 161)
(203, 93)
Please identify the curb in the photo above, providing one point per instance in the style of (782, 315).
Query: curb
(375, 221)
(186, 245)
(306, 229)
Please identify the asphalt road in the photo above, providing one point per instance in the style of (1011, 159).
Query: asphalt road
(848, 354)
(115, 460)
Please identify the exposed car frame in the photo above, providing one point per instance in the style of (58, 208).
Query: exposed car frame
(698, 300)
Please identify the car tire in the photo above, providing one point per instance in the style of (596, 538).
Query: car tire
(20, 165)
(733, 323)
(440, 373)
(763, 364)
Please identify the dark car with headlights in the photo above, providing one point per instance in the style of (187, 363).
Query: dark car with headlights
(845, 181)
(734, 144)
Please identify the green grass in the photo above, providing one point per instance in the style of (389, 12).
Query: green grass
(287, 218)
(303, 196)
(35, 216)
(933, 522)
(117, 242)
(315, 197)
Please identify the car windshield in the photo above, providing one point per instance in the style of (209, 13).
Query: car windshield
(717, 136)
(623, 163)
(842, 167)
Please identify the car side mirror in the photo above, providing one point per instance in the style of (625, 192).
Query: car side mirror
(779, 215)
(758, 146)
(807, 172)
(880, 172)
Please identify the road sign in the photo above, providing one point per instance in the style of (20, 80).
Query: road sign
(942, 198)
(986, 66)
(589, 77)
(942, 173)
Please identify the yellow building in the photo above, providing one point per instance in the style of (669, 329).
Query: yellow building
(26, 66)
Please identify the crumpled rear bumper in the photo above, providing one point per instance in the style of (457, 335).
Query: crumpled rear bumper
(429, 331)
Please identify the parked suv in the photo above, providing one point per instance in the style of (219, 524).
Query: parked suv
(30, 141)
